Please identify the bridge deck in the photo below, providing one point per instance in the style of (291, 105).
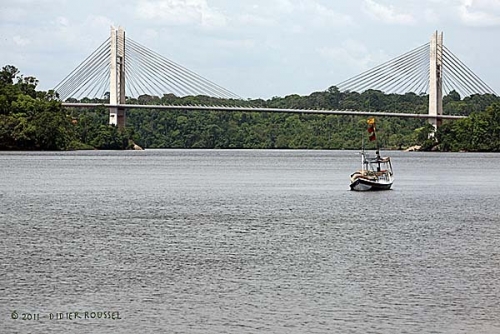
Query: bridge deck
(271, 110)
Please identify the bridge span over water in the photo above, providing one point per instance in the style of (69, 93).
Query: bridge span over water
(122, 67)
(270, 110)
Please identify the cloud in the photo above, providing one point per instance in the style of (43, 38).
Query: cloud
(480, 13)
(431, 16)
(181, 12)
(19, 10)
(353, 55)
(254, 20)
(20, 41)
(324, 15)
(279, 6)
(242, 44)
(76, 34)
(387, 14)
(301, 15)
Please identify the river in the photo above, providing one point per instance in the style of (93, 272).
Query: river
(247, 241)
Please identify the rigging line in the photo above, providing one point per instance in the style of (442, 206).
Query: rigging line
(127, 83)
(153, 67)
(369, 72)
(98, 69)
(378, 77)
(145, 67)
(395, 69)
(461, 85)
(205, 85)
(479, 81)
(132, 83)
(138, 82)
(424, 76)
(129, 75)
(460, 88)
(182, 79)
(380, 68)
(447, 86)
(469, 71)
(97, 86)
(458, 75)
(398, 84)
(424, 86)
(188, 72)
(413, 80)
(448, 82)
(140, 78)
(401, 73)
(83, 67)
(91, 87)
(461, 76)
(151, 60)
(69, 75)
(153, 88)
(80, 76)
(87, 90)
(104, 86)
(79, 79)
(456, 71)
(420, 74)
(79, 82)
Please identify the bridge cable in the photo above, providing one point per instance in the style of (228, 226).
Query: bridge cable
(361, 80)
(478, 83)
(86, 68)
(153, 67)
(69, 86)
(187, 74)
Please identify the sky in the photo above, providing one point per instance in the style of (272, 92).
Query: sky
(254, 48)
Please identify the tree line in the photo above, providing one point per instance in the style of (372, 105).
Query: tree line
(34, 120)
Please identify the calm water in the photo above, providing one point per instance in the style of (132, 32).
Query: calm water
(247, 242)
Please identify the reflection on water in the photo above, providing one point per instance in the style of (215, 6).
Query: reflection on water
(248, 242)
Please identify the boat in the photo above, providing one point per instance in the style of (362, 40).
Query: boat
(376, 173)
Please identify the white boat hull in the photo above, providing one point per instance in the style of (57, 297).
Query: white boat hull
(360, 184)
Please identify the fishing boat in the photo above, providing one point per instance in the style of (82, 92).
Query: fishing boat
(376, 172)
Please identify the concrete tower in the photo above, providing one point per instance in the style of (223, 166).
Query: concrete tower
(436, 79)
(117, 77)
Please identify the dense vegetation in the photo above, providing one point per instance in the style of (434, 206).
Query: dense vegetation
(479, 132)
(279, 130)
(33, 120)
(180, 129)
(30, 119)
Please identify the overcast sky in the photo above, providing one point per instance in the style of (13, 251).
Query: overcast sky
(254, 48)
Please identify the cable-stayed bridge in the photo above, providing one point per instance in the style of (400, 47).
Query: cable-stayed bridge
(410, 73)
(122, 68)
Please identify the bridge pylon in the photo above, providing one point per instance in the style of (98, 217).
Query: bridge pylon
(117, 77)
(436, 79)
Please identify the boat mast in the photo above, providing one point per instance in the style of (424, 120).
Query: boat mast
(363, 160)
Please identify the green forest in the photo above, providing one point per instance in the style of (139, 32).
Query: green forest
(36, 120)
